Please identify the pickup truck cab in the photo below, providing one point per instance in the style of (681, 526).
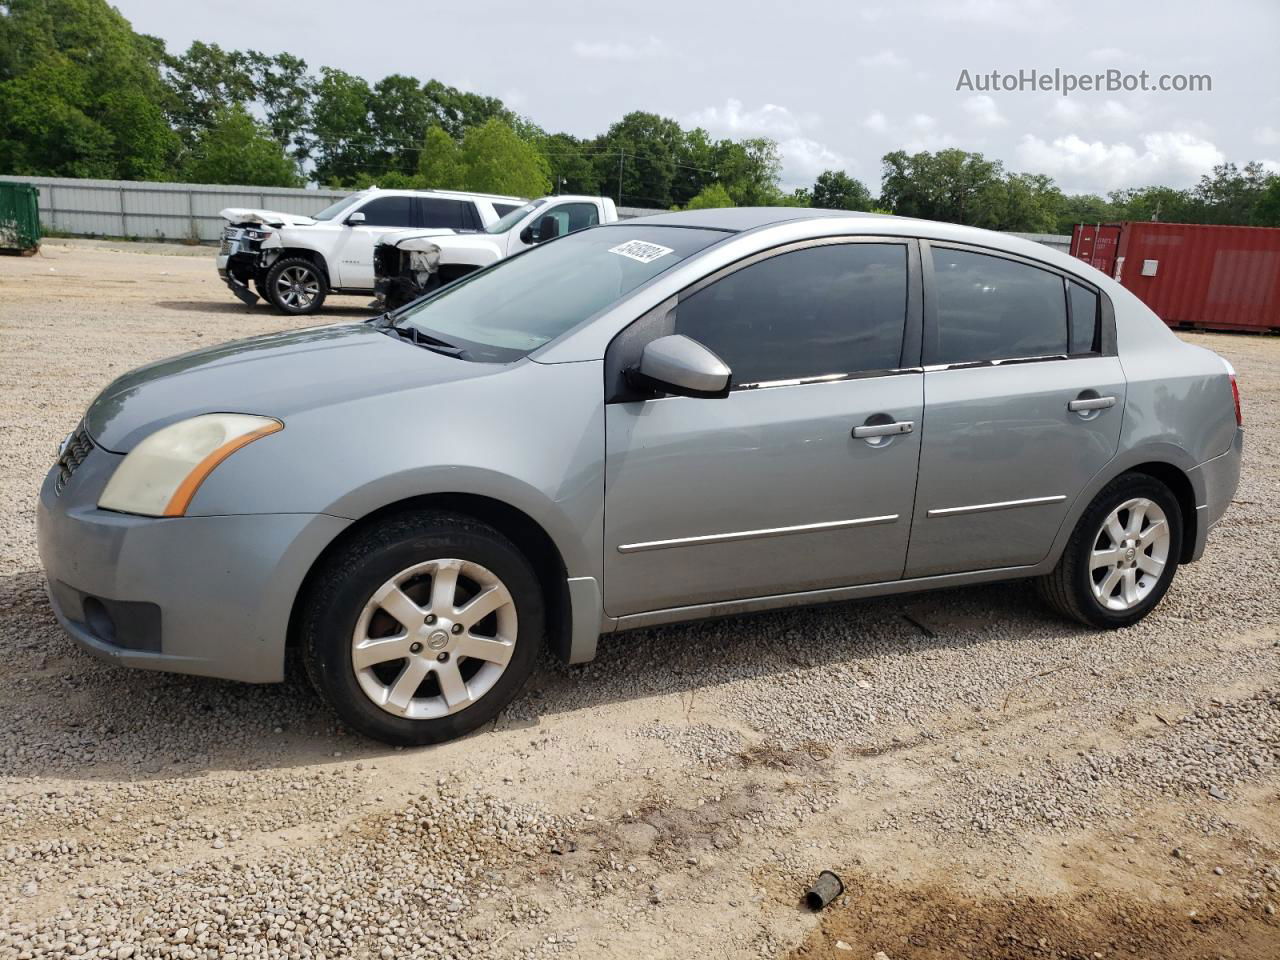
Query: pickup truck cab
(294, 262)
(410, 263)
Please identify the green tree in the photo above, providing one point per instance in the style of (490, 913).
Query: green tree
(440, 161)
(711, 197)
(1267, 211)
(750, 170)
(235, 149)
(457, 111)
(836, 190)
(641, 151)
(952, 185)
(498, 161)
(399, 113)
(1230, 195)
(1082, 208)
(571, 168)
(80, 93)
(1157, 203)
(344, 139)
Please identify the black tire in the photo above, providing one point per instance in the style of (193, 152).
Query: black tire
(277, 294)
(1069, 588)
(340, 589)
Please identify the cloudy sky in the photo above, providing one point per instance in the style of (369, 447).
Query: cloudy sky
(836, 83)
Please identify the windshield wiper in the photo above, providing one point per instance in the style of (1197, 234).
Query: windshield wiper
(425, 340)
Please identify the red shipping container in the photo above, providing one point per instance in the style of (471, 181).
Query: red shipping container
(1191, 275)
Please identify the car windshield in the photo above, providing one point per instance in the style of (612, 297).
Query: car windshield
(519, 304)
(335, 208)
(512, 218)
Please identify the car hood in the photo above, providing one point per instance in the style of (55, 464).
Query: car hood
(397, 237)
(272, 218)
(273, 375)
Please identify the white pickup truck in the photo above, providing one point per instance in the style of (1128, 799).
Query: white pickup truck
(410, 263)
(295, 262)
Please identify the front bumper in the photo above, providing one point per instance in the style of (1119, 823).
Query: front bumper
(201, 595)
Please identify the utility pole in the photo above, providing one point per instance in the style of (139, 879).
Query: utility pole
(621, 156)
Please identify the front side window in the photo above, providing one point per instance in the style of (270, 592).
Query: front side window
(819, 311)
(567, 218)
(389, 212)
(502, 209)
(512, 217)
(523, 302)
(990, 308)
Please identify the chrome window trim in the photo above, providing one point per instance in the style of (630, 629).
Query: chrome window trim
(827, 378)
(999, 505)
(740, 535)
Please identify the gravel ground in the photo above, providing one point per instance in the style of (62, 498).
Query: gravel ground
(988, 779)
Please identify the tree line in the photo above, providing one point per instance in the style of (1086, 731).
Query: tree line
(83, 95)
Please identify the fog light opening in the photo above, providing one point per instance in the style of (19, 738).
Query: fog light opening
(98, 620)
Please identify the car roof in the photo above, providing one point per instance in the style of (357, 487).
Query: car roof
(738, 219)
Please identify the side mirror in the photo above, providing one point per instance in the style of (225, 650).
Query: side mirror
(526, 235)
(355, 219)
(677, 364)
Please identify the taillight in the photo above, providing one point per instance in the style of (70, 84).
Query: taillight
(1235, 391)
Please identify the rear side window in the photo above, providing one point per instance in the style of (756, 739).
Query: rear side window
(1085, 333)
(990, 308)
(389, 212)
(451, 214)
(834, 309)
(502, 209)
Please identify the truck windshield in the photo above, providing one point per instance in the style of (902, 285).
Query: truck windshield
(521, 303)
(512, 218)
(331, 211)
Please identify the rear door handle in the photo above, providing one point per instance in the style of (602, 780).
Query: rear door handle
(1091, 403)
(870, 430)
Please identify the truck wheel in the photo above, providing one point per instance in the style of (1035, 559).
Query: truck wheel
(1121, 557)
(296, 286)
(422, 627)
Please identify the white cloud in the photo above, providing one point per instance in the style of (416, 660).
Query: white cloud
(876, 122)
(1068, 110)
(1172, 157)
(621, 51)
(1116, 114)
(1107, 54)
(885, 58)
(1000, 14)
(803, 159)
(923, 122)
(984, 111)
(1267, 136)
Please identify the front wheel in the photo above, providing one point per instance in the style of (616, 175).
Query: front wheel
(422, 628)
(1122, 556)
(296, 286)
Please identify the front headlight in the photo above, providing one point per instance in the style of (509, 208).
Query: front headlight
(160, 475)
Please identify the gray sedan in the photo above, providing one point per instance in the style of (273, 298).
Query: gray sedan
(660, 420)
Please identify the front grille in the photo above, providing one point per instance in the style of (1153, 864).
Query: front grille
(73, 454)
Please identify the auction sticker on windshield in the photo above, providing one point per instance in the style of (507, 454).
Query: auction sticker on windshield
(641, 251)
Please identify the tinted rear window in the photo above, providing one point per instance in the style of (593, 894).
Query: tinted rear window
(989, 308)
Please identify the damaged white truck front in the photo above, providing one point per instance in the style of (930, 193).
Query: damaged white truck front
(294, 262)
(410, 263)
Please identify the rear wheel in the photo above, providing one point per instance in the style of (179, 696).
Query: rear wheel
(296, 286)
(1122, 555)
(423, 628)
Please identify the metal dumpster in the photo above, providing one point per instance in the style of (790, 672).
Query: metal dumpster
(19, 218)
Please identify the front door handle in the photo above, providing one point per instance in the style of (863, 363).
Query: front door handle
(1085, 404)
(869, 431)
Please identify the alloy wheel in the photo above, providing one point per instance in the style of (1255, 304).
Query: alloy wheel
(434, 638)
(297, 287)
(1130, 553)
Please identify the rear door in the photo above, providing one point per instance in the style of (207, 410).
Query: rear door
(1024, 398)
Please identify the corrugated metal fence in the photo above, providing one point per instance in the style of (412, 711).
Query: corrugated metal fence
(189, 211)
(158, 211)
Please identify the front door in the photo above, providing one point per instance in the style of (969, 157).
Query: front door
(382, 215)
(803, 478)
(1023, 405)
